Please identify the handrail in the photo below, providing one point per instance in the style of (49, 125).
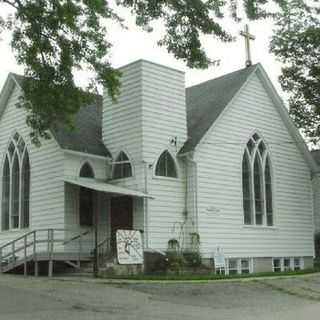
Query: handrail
(101, 243)
(77, 237)
(102, 250)
(33, 231)
(8, 250)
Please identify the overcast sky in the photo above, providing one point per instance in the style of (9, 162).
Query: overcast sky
(133, 44)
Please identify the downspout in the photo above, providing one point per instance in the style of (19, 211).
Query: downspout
(195, 207)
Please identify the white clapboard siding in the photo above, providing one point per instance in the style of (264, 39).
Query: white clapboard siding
(122, 131)
(219, 160)
(149, 113)
(164, 111)
(73, 163)
(47, 186)
(122, 121)
(164, 119)
(316, 202)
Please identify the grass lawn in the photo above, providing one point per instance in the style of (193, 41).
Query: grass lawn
(211, 276)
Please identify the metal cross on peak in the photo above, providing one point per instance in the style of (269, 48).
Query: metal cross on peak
(246, 34)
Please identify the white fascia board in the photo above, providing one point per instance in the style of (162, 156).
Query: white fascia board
(84, 154)
(284, 114)
(225, 110)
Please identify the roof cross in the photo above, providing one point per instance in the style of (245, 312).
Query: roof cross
(246, 34)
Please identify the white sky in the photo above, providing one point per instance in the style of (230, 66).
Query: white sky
(133, 44)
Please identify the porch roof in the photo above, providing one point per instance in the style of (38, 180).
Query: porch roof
(100, 185)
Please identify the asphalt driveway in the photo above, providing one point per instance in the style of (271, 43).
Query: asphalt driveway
(72, 298)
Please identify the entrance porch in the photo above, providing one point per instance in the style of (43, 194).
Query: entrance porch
(102, 209)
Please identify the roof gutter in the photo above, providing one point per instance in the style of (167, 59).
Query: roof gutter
(84, 154)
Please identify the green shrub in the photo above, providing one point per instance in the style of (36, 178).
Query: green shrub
(193, 259)
(176, 262)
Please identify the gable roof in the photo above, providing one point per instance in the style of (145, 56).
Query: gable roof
(207, 100)
(87, 133)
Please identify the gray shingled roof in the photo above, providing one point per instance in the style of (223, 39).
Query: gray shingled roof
(207, 100)
(204, 103)
(87, 135)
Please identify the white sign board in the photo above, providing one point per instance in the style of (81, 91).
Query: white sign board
(129, 247)
(219, 259)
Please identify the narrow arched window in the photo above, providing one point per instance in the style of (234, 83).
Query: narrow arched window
(16, 185)
(246, 187)
(25, 191)
(258, 195)
(166, 166)
(86, 171)
(5, 194)
(86, 198)
(268, 188)
(15, 193)
(122, 167)
(257, 183)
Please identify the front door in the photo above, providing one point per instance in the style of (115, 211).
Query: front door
(121, 216)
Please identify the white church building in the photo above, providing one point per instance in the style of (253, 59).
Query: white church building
(220, 160)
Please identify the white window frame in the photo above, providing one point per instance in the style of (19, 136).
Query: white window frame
(176, 167)
(117, 162)
(256, 141)
(284, 267)
(291, 263)
(280, 264)
(239, 265)
(15, 140)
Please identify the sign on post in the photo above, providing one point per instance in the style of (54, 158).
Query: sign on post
(129, 247)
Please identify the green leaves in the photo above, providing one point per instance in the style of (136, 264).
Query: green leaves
(296, 43)
(53, 38)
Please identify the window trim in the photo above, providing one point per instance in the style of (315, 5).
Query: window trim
(239, 265)
(15, 141)
(291, 263)
(116, 162)
(81, 190)
(155, 176)
(251, 156)
(86, 163)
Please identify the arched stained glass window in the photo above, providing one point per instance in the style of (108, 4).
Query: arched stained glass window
(86, 198)
(25, 192)
(5, 194)
(258, 188)
(122, 167)
(15, 193)
(268, 189)
(257, 183)
(16, 185)
(166, 166)
(246, 187)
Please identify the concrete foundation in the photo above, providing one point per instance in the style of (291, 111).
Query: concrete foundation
(262, 265)
(308, 262)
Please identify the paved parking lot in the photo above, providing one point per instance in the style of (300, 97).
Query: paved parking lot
(41, 298)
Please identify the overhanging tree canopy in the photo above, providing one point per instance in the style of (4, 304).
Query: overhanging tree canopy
(52, 38)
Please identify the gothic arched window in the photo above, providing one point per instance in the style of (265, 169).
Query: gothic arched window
(122, 167)
(86, 198)
(166, 166)
(16, 185)
(86, 171)
(257, 183)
